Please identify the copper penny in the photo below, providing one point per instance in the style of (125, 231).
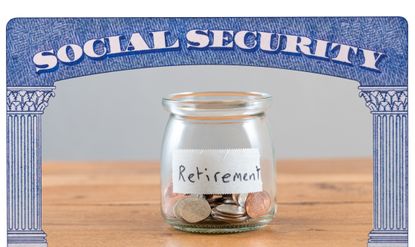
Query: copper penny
(257, 204)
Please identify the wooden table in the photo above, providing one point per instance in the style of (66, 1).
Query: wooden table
(320, 203)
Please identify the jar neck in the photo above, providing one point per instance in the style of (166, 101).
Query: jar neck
(232, 118)
(217, 105)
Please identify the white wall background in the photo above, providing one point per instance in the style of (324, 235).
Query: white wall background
(118, 116)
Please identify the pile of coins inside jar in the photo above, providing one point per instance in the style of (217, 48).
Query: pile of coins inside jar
(227, 208)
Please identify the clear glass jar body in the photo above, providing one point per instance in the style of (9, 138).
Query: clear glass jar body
(201, 128)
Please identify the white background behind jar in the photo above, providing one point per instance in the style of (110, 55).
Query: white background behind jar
(118, 116)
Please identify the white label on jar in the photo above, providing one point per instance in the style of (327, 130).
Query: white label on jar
(216, 171)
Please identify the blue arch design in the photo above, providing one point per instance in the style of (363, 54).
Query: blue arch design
(26, 37)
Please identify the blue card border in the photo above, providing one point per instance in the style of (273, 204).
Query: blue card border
(370, 50)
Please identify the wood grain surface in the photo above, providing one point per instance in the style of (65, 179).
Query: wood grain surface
(320, 203)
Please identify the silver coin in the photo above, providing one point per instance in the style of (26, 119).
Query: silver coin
(230, 209)
(214, 205)
(242, 199)
(221, 217)
(193, 209)
(215, 211)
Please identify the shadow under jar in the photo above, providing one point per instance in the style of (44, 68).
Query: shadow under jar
(217, 164)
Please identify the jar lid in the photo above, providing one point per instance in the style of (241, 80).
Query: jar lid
(217, 104)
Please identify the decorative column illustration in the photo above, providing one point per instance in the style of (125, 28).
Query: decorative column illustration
(389, 107)
(25, 106)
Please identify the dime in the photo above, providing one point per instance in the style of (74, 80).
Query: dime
(230, 209)
(257, 204)
(192, 209)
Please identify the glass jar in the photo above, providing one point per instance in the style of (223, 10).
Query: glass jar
(217, 165)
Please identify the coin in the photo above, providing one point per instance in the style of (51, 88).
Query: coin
(169, 200)
(214, 200)
(227, 196)
(213, 197)
(241, 199)
(192, 209)
(230, 209)
(230, 220)
(257, 204)
(227, 201)
(216, 212)
(178, 208)
(197, 196)
(235, 197)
